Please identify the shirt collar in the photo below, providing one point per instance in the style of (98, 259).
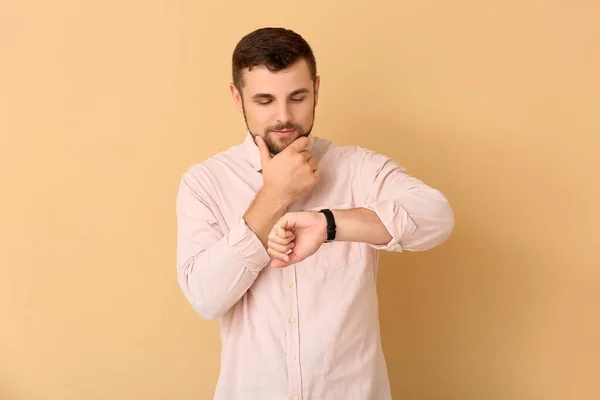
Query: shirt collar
(251, 150)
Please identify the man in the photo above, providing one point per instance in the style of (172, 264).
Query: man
(279, 238)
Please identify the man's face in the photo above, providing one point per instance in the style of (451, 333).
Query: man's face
(278, 106)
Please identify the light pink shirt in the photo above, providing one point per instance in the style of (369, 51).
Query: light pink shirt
(310, 330)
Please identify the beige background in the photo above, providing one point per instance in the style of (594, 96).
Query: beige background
(103, 105)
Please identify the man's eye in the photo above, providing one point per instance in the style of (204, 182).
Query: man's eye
(298, 99)
(264, 102)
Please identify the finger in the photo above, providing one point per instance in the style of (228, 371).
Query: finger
(317, 174)
(284, 226)
(313, 163)
(277, 255)
(279, 240)
(281, 231)
(297, 145)
(306, 155)
(281, 248)
(278, 262)
(265, 155)
(275, 238)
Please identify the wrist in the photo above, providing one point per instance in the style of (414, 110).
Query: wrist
(279, 201)
(276, 197)
(330, 225)
(322, 224)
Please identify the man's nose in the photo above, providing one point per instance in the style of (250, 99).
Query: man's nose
(284, 114)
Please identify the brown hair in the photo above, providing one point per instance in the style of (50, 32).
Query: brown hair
(274, 48)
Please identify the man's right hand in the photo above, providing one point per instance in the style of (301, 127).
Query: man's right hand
(290, 174)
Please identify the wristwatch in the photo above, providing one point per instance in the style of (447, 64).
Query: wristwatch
(330, 225)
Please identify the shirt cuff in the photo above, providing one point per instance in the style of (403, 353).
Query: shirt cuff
(247, 247)
(396, 220)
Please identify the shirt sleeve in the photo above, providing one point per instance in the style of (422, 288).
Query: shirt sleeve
(417, 216)
(215, 268)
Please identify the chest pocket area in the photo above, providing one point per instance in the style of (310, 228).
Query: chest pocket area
(336, 255)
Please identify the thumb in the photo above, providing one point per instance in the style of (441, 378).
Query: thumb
(265, 155)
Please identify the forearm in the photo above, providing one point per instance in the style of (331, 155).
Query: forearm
(360, 225)
(217, 266)
(421, 227)
(214, 279)
(264, 212)
(419, 219)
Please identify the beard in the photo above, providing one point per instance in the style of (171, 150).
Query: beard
(277, 144)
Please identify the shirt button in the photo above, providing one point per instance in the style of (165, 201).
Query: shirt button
(293, 358)
(295, 398)
(292, 320)
(290, 284)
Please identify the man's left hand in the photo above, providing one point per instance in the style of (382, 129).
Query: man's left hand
(296, 236)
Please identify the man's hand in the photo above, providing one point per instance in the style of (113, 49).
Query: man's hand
(296, 236)
(287, 176)
(290, 174)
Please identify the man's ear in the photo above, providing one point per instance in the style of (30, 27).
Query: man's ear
(237, 97)
(317, 83)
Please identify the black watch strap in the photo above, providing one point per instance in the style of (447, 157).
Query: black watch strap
(331, 228)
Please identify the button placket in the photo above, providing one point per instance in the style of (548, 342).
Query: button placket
(293, 334)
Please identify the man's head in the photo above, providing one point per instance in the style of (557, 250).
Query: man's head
(275, 85)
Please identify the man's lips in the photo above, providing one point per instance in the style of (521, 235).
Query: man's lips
(285, 133)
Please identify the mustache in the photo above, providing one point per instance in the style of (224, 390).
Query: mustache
(284, 127)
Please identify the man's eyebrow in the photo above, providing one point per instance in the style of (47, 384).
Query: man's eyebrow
(262, 96)
(298, 91)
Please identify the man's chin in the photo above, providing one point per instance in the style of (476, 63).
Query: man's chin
(282, 142)
(278, 143)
